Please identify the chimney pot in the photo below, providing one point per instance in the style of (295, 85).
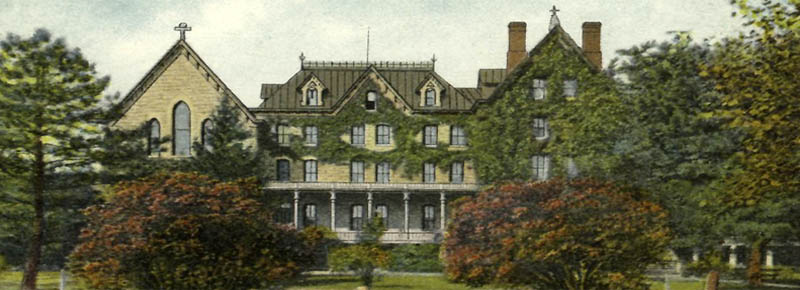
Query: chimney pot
(516, 44)
(591, 43)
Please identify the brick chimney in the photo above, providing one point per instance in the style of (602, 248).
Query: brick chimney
(591, 43)
(516, 45)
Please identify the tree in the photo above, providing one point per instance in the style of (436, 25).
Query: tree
(186, 231)
(364, 257)
(49, 94)
(579, 234)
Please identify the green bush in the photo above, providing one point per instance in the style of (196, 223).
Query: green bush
(416, 258)
(3, 266)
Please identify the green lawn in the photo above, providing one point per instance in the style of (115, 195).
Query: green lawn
(49, 281)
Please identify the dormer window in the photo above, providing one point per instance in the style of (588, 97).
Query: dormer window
(430, 97)
(539, 89)
(312, 92)
(372, 101)
(312, 97)
(430, 93)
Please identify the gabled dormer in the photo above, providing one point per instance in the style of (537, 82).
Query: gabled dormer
(430, 92)
(312, 91)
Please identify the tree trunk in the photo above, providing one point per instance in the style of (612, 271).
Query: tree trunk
(34, 252)
(754, 263)
(712, 283)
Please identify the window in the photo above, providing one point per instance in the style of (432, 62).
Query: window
(382, 211)
(310, 171)
(572, 168)
(372, 101)
(430, 97)
(457, 172)
(539, 89)
(283, 170)
(283, 135)
(541, 167)
(310, 133)
(309, 215)
(429, 173)
(357, 171)
(384, 135)
(382, 172)
(457, 136)
(570, 88)
(356, 217)
(181, 130)
(540, 128)
(357, 135)
(153, 146)
(428, 217)
(284, 214)
(430, 135)
(207, 137)
(312, 97)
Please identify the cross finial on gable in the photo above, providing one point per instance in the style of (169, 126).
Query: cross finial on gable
(554, 10)
(554, 18)
(183, 27)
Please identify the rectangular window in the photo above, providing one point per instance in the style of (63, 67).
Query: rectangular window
(384, 133)
(540, 128)
(284, 214)
(570, 88)
(372, 101)
(283, 135)
(382, 172)
(457, 136)
(431, 135)
(310, 215)
(357, 135)
(429, 173)
(457, 172)
(357, 171)
(356, 217)
(539, 89)
(310, 171)
(541, 167)
(311, 135)
(430, 97)
(382, 211)
(283, 170)
(428, 217)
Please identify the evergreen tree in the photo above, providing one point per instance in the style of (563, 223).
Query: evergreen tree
(50, 122)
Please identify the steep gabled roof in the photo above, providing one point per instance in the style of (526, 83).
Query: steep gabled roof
(180, 47)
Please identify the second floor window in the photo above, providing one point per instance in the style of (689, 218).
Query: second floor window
(357, 135)
(430, 97)
(310, 215)
(540, 128)
(283, 170)
(310, 171)
(431, 135)
(357, 171)
(457, 136)
(429, 173)
(311, 135)
(428, 217)
(457, 172)
(538, 90)
(312, 97)
(541, 167)
(356, 217)
(384, 135)
(283, 134)
(570, 88)
(382, 172)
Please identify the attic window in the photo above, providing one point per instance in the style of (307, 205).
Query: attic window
(539, 89)
(312, 97)
(570, 88)
(430, 97)
(372, 101)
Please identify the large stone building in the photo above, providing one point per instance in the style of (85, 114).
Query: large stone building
(357, 139)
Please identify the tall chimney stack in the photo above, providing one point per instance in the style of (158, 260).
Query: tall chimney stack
(591, 43)
(516, 45)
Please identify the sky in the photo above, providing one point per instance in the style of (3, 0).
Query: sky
(250, 42)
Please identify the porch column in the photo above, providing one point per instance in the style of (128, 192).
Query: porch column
(333, 211)
(769, 261)
(732, 259)
(296, 217)
(369, 206)
(406, 197)
(442, 204)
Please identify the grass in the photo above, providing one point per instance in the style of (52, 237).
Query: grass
(50, 280)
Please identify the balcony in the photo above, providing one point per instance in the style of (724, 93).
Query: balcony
(396, 237)
(373, 187)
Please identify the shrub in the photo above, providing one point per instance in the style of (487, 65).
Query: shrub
(186, 231)
(364, 257)
(416, 258)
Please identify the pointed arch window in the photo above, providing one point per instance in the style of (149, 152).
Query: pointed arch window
(153, 148)
(181, 127)
(208, 142)
(312, 97)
